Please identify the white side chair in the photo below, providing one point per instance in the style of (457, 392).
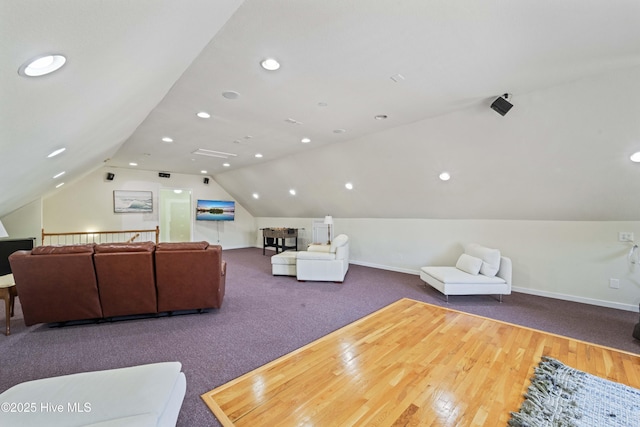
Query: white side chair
(326, 263)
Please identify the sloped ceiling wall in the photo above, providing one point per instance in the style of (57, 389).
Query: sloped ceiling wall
(559, 154)
(123, 57)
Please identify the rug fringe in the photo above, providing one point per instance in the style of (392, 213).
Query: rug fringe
(549, 400)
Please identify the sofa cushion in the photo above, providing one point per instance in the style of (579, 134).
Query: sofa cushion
(284, 258)
(490, 258)
(469, 264)
(182, 246)
(63, 249)
(454, 275)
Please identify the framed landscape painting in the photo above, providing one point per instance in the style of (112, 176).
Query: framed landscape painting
(132, 201)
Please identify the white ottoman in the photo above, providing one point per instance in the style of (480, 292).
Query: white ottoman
(141, 396)
(284, 264)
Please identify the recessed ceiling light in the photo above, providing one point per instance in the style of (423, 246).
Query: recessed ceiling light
(305, 140)
(270, 64)
(60, 185)
(203, 115)
(226, 165)
(292, 192)
(380, 117)
(167, 139)
(258, 155)
(256, 196)
(339, 131)
(445, 176)
(348, 186)
(322, 104)
(635, 157)
(203, 171)
(230, 94)
(58, 175)
(42, 65)
(133, 164)
(56, 152)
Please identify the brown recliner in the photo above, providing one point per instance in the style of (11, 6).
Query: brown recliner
(56, 283)
(189, 276)
(126, 278)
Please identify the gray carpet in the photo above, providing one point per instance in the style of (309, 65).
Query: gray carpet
(264, 317)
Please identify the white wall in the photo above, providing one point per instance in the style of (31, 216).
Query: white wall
(25, 222)
(87, 205)
(571, 260)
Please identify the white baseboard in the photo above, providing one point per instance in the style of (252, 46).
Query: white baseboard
(573, 298)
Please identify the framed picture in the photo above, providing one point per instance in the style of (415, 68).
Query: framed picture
(132, 201)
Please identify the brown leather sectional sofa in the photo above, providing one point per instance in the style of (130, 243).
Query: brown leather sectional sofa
(94, 281)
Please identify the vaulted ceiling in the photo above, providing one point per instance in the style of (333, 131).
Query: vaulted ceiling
(389, 93)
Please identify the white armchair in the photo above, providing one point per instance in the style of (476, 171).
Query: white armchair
(324, 262)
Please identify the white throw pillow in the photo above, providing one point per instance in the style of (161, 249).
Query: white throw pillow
(469, 264)
(490, 258)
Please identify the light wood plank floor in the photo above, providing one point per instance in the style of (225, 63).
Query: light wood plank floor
(410, 363)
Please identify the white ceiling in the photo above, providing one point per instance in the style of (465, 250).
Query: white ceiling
(139, 71)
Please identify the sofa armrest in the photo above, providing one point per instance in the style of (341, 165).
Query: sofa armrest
(505, 270)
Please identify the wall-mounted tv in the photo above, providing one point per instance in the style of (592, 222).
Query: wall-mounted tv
(215, 210)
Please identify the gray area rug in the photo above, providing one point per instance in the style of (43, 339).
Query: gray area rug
(563, 396)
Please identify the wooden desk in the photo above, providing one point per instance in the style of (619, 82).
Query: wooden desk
(276, 238)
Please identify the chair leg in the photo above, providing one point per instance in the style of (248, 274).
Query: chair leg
(13, 293)
(7, 310)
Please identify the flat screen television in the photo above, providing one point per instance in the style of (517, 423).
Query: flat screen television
(215, 210)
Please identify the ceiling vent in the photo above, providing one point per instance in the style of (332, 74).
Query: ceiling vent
(212, 153)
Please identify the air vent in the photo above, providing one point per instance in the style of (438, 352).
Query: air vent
(212, 153)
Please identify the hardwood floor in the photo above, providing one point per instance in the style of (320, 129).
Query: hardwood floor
(410, 363)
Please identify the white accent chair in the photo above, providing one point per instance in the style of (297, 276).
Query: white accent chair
(324, 262)
(478, 271)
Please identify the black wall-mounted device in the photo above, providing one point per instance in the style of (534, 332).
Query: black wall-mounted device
(501, 105)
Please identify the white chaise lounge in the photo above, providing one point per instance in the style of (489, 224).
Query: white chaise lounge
(318, 263)
(141, 396)
(479, 271)
(324, 262)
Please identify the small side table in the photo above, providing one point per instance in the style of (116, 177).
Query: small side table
(8, 293)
